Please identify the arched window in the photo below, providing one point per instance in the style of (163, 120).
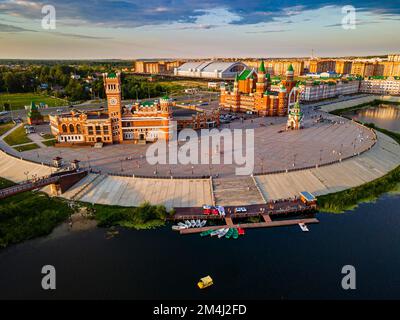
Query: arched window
(71, 128)
(78, 128)
(64, 128)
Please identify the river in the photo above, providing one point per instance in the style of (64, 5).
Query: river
(275, 263)
(384, 116)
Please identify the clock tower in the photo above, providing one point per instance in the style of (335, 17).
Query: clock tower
(112, 87)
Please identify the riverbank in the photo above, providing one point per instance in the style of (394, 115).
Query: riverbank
(145, 216)
(29, 215)
(370, 191)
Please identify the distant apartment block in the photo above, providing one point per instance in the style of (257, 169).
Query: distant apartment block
(343, 66)
(394, 57)
(319, 65)
(156, 67)
(279, 67)
(363, 69)
(389, 86)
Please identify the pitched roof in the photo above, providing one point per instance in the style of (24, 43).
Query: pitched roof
(290, 68)
(245, 74)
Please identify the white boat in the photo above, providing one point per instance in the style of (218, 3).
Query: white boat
(216, 232)
(177, 228)
(182, 224)
(223, 233)
(188, 223)
(303, 227)
(193, 223)
(203, 223)
(198, 224)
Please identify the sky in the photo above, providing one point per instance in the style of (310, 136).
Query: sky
(132, 29)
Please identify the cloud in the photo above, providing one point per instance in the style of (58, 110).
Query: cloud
(11, 28)
(137, 13)
(268, 31)
(358, 23)
(79, 36)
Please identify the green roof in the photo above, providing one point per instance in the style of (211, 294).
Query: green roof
(262, 67)
(112, 75)
(165, 97)
(290, 68)
(245, 74)
(147, 103)
(268, 77)
(33, 106)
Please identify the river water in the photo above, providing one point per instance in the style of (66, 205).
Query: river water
(275, 263)
(385, 116)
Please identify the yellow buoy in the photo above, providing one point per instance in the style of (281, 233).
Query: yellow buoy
(205, 282)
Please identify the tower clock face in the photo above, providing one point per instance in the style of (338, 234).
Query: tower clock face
(113, 101)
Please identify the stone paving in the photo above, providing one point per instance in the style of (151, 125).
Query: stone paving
(275, 149)
(383, 157)
(19, 170)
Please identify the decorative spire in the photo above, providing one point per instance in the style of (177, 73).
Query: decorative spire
(262, 67)
(236, 77)
(290, 68)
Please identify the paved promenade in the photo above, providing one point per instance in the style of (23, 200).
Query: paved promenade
(383, 157)
(129, 191)
(19, 170)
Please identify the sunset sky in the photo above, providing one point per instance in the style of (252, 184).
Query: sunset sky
(130, 29)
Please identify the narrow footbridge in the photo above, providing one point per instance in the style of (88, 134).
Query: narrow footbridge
(59, 182)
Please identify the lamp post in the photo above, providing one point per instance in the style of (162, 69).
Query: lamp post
(26, 173)
(320, 156)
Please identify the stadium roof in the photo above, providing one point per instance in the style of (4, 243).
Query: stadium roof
(209, 66)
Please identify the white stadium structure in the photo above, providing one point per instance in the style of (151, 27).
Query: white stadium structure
(210, 69)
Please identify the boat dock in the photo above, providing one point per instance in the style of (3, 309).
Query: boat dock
(270, 224)
(264, 211)
(276, 208)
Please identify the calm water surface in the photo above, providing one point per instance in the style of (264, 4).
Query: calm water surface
(384, 116)
(276, 263)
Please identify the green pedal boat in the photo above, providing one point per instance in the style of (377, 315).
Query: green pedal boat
(206, 233)
(229, 234)
(235, 234)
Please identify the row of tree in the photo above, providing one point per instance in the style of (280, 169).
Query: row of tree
(57, 80)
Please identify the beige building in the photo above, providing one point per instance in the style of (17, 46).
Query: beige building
(279, 67)
(156, 67)
(320, 65)
(363, 69)
(343, 66)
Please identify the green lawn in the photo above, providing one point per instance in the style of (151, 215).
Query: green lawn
(49, 143)
(27, 147)
(4, 127)
(18, 136)
(20, 100)
(4, 183)
(48, 136)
